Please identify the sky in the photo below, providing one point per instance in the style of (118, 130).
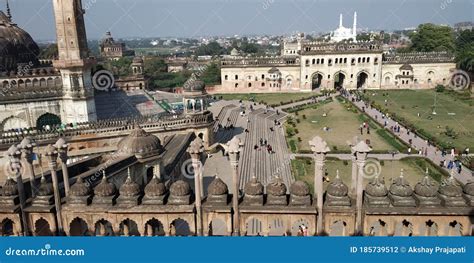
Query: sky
(196, 18)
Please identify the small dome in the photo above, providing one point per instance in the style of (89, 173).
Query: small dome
(299, 188)
(276, 187)
(9, 188)
(450, 187)
(80, 188)
(217, 187)
(45, 188)
(105, 188)
(469, 188)
(254, 187)
(337, 187)
(180, 188)
(194, 84)
(155, 188)
(376, 188)
(401, 187)
(129, 188)
(427, 187)
(139, 142)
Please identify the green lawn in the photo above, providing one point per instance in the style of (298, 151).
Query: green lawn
(414, 170)
(344, 121)
(452, 111)
(268, 98)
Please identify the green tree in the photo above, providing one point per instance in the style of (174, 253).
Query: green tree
(430, 37)
(212, 74)
(465, 50)
(211, 49)
(120, 67)
(49, 52)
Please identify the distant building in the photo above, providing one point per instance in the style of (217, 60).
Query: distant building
(111, 49)
(176, 64)
(343, 33)
(463, 26)
(136, 81)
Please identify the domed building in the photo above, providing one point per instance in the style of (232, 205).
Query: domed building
(140, 143)
(17, 47)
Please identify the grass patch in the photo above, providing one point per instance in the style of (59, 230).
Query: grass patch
(269, 98)
(394, 142)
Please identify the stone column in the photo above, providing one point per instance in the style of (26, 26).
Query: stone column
(15, 164)
(62, 148)
(353, 174)
(361, 150)
(320, 149)
(195, 149)
(233, 149)
(52, 156)
(28, 155)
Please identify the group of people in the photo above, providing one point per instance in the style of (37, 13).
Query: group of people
(263, 145)
(363, 126)
(456, 164)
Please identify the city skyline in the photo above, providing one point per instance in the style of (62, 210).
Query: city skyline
(151, 19)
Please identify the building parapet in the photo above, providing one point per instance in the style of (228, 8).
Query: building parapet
(314, 48)
(419, 57)
(261, 62)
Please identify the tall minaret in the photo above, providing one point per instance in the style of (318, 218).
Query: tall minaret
(340, 20)
(354, 27)
(9, 13)
(74, 62)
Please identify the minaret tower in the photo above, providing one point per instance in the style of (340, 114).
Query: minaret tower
(74, 62)
(354, 27)
(340, 20)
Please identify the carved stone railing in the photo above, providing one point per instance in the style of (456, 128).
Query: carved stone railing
(418, 57)
(164, 122)
(261, 62)
(311, 48)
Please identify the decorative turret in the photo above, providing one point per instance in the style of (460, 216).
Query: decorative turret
(217, 192)
(104, 192)
(180, 193)
(129, 192)
(276, 192)
(45, 194)
(401, 192)
(451, 192)
(299, 194)
(253, 192)
(194, 96)
(468, 190)
(426, 192)
(337, 193)
(80, 193)
(376, 193)
(9, 199)
(155, 192)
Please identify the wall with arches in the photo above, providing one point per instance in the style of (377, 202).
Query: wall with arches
(276, 224)
(424, 76)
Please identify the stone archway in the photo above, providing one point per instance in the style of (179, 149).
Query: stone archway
(47, 119)
(128, 227)
(14, 123)
(254, 227)
(339, 78)
(218, 227)
(403, 228)
(79, 227)
(103, 228)
(154, 227)
(277, 228)
(338, 228)
(297, 226)
(316, 81)
(7, 227)
(362, 78)
(378, 228)
(42, 228)
(179, 227)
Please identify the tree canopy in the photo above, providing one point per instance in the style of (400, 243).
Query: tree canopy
(430, 37)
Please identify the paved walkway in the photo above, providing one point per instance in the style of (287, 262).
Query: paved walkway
(348, 156)
(433, 153)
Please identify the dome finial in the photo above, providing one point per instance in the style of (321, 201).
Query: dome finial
(128, 173)
(9, 14)
(337, 174)
(401, 172)
(427, 171)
